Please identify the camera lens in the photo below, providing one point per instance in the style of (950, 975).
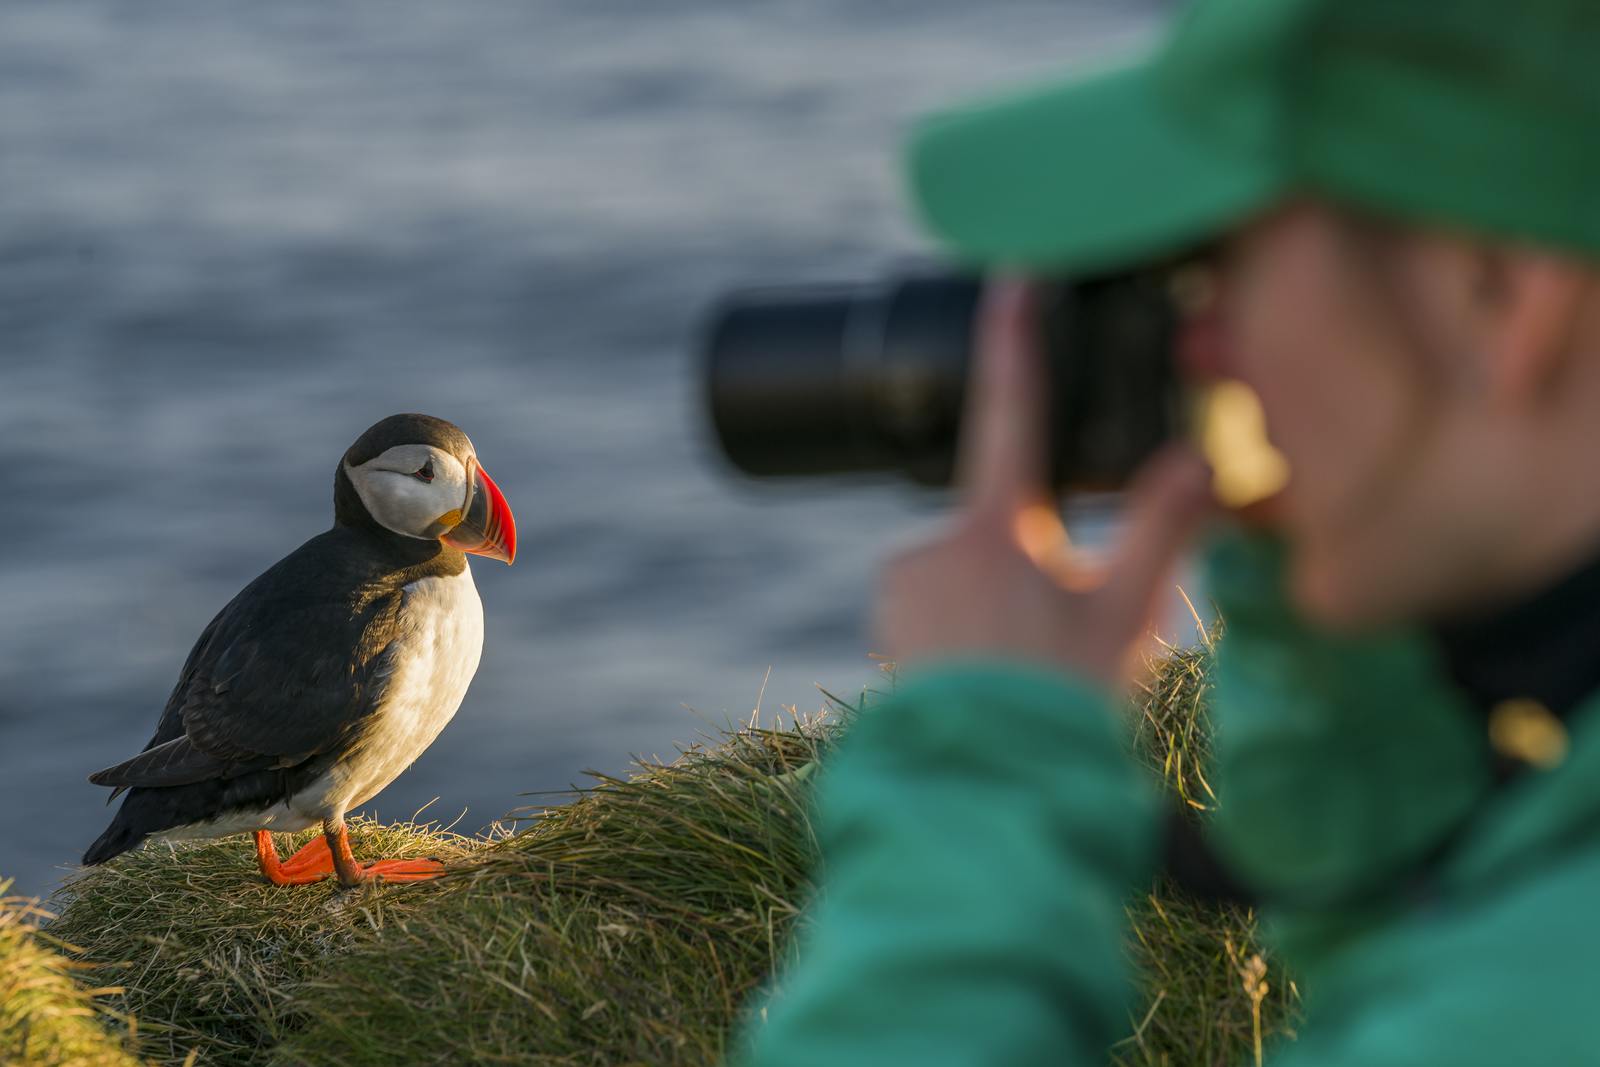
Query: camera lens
(843, 378)
(840, 379)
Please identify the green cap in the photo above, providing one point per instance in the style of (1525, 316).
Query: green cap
(1480, 114)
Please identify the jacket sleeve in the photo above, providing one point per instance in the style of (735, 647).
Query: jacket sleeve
(980, 832)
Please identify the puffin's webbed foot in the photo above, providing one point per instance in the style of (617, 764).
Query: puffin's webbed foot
(352, 873)
(322, 856)
(303, 868)
(314, 855)
(403, 870)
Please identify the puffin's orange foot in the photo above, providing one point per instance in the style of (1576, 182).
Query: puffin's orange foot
(352, 873)
(293, 872)
(402, 870)
(313, 856)
(285, 877)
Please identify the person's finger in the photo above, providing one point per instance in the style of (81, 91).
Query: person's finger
(1168, 500)
(1003, 438)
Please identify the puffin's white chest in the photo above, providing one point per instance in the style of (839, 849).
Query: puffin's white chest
(434, 657)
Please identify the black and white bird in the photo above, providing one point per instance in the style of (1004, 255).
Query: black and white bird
(331, 672)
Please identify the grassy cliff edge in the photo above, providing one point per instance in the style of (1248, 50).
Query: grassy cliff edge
(628, 926)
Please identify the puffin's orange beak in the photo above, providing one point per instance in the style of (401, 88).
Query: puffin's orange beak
(488, 527)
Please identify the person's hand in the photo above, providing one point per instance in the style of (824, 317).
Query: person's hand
(1003, 581)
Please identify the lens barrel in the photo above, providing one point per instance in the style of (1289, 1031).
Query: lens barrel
(841, 379)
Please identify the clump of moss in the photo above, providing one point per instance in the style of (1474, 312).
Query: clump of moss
(627, 926)
(47, 1017)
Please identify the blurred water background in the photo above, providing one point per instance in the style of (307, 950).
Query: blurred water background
(233, 235)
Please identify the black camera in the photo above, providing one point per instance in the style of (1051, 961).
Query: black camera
(827, 380)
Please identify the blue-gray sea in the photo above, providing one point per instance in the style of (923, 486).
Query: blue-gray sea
(233, 235)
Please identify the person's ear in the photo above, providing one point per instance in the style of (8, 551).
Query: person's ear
(1538, 298)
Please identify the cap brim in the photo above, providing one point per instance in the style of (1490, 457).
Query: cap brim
(1087, 174)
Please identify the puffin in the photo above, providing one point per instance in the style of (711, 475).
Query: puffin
(328, 675)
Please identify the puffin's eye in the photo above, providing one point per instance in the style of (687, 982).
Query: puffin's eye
(424, 473)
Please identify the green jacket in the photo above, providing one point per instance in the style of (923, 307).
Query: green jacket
(982, 830)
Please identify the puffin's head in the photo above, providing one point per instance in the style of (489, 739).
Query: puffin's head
(419, 477)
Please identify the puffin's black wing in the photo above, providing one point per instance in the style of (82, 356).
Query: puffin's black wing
(288, 670)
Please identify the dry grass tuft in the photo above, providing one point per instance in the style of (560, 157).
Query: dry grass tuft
(1172, 725)
(1212, 996)
(47, 1017)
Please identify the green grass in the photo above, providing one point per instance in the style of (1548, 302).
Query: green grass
(628, 926)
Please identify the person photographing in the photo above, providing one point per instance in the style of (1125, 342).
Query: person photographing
(1399, 203)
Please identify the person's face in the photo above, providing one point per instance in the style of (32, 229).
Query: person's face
(1370, 372)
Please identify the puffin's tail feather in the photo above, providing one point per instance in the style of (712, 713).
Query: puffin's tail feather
(118, 838)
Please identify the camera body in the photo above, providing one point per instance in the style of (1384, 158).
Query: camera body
(839, 379)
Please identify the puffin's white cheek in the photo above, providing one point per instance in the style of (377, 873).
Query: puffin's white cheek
(400, 502)
(415, 509)
(401, 512)
(404, 503)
